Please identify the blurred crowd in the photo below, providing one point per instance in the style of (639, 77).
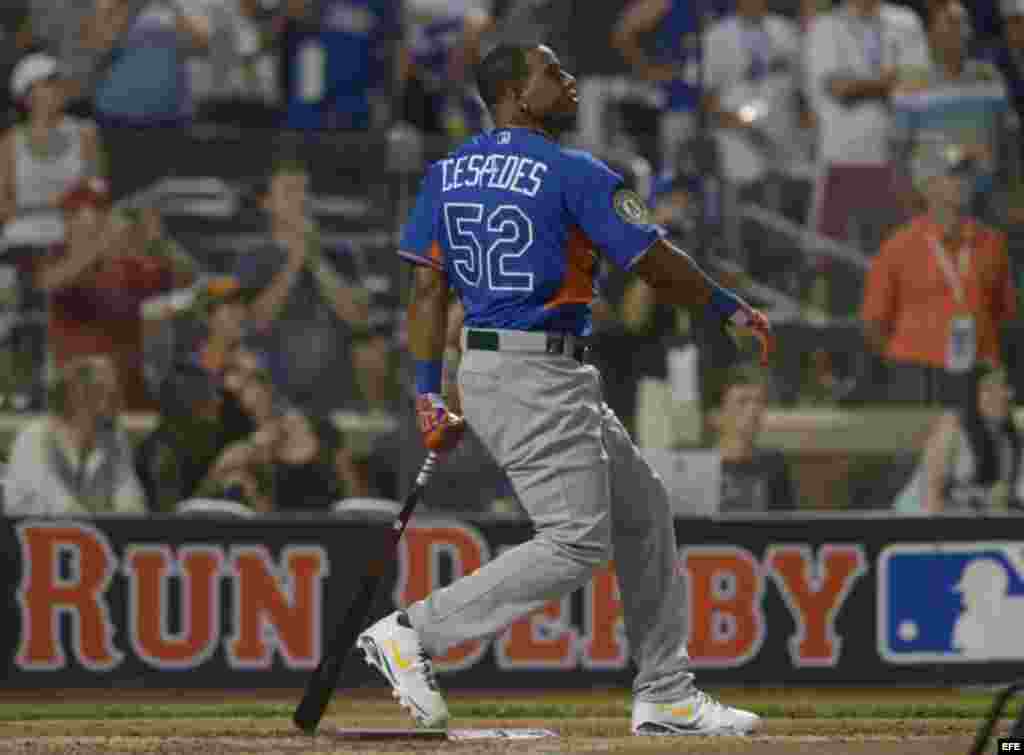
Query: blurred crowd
(304, 64)
(849, 162)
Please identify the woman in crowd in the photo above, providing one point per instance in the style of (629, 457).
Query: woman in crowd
(48, 152)
(291, 462)
(199, 418)
(97, 280)
(972, 459)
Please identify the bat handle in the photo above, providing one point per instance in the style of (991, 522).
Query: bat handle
(425, 473)
(429, 465)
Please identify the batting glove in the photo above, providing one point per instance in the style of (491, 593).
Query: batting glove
(441, 429)
(756, 324)
(737, 313)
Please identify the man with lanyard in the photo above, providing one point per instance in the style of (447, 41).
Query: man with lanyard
(939, 289)
(856, 57)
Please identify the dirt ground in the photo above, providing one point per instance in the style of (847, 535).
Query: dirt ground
(586, 735)
(219, 737)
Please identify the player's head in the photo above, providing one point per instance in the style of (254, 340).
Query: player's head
(525, 85)
(744, 397)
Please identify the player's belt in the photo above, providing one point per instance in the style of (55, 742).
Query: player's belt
(525, 342)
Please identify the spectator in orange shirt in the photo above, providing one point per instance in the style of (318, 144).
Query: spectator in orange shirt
(939, 289)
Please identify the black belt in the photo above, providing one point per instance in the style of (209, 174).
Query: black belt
(555, 343)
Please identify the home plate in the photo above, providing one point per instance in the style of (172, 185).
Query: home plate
(453, 735)
(465, 735)
(371, 735)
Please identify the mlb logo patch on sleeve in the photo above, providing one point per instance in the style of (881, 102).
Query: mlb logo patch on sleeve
(630, 207)
(951, 603)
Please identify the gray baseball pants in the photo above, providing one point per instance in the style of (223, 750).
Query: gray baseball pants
(591, 497)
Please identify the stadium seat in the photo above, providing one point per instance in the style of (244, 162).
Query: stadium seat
(381, 506)
(213, 507)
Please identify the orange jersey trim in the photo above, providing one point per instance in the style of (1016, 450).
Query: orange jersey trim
(578, 281)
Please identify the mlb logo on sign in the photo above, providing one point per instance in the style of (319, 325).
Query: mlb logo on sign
(951, 602)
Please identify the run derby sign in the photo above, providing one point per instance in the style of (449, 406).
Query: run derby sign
(205, 603)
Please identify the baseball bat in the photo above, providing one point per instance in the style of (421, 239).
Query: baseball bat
(322, 684)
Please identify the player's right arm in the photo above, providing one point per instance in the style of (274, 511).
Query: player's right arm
(617, 220)
(428, 318)
(428, 314)
(678, 280)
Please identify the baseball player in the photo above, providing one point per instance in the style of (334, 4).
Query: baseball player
(513, 222)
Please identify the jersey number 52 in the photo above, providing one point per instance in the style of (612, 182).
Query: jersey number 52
(483, 251)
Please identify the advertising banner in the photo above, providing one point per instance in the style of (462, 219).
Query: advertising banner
(180, 603)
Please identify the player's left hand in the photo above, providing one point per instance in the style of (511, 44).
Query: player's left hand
(440, 427)
(755, 323)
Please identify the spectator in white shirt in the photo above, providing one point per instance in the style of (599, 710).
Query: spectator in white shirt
(237, 82)
(751, 63)
(75, 460)
(856, 57)
(46, 155)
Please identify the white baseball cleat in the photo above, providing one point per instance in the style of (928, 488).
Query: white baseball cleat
(393, 648)
(697, 715)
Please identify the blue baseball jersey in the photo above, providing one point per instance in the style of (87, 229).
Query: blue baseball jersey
(331, 71)
(515, 222)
